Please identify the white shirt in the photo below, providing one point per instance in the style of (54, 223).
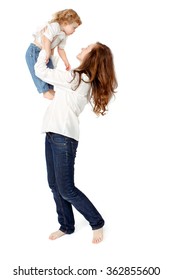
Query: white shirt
(56, 36)
(62, 113)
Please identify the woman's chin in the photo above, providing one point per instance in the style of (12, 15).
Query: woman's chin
(78, 57)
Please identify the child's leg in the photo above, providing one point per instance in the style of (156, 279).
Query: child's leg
(49, 94)
(31, 56)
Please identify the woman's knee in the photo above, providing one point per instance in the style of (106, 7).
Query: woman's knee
(68, 192)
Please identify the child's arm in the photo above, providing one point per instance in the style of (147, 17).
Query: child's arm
(63, 56)
(47, 46)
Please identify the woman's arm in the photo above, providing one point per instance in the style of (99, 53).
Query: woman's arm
(52, 76)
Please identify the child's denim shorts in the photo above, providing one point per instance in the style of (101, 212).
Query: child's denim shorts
(31, 56)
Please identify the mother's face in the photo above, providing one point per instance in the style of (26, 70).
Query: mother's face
(84, 52)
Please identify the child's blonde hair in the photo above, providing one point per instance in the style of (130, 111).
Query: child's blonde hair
(67, 16)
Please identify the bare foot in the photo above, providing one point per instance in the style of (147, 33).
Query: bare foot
(97, 235)
(56, 234)
(49, 94)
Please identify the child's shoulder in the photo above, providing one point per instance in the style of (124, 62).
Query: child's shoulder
(54, 26)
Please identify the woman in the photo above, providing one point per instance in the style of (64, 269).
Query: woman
(95, 81)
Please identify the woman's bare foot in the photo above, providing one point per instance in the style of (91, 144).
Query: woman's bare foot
(56, 234)
(49, 94)
(97, 235)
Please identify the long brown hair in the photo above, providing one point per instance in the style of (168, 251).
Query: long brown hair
(98, 65)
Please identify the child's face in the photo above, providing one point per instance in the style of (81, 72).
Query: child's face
(70, 28)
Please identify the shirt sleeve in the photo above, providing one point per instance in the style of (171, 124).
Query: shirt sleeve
(55, 76)
(63, 42)
(52, 30)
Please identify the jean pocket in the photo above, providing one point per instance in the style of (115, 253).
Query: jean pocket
(57, 139)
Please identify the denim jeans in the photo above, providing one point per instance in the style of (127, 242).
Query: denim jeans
(60, 159)
(31, 56)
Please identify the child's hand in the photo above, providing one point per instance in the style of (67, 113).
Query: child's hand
(68, 67)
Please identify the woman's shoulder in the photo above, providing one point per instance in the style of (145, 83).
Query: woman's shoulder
(85, 78)
(75, 76)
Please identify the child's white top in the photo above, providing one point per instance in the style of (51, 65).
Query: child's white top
(53, 33)
(62, 114)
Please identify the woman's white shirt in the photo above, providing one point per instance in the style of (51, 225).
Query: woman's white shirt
(62, 114)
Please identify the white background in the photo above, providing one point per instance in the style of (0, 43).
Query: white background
(124, 160)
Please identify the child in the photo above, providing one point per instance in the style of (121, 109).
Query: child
(52, 34)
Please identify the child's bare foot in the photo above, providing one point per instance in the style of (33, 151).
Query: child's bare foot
(49, 94)
(56, 234)
(97, 235)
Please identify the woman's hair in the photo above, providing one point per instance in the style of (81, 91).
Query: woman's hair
(67, 16)
(98, 65)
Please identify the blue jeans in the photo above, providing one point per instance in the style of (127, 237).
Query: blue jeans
(31, 56)
(60, 159)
